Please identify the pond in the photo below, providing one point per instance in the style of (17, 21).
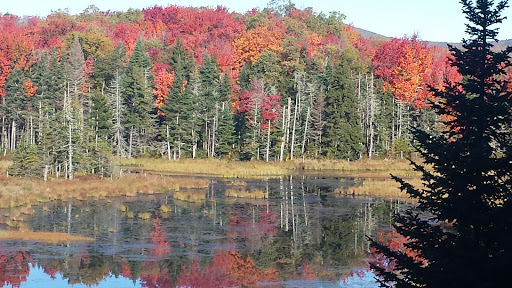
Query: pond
(302, 235)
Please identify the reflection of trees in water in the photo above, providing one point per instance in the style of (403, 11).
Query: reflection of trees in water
(302, 232)
(14, 267)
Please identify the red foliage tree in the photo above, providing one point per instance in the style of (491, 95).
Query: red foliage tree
(163, 80)
(405, 66)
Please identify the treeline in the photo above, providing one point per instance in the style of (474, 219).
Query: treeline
(174, 82)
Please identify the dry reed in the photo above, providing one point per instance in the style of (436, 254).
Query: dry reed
(47, 237)
(380, 187)
(377, 168)
(241, 192)
(190, 196)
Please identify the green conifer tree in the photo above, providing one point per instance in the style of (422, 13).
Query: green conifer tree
(342, 131)
(464, 238)
(139, 114)
(226, 127)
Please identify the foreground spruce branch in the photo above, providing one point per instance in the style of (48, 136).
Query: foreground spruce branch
(469, 189)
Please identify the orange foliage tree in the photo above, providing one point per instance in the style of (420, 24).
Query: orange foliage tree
(163, 80)
(405, 66)
(250, 45)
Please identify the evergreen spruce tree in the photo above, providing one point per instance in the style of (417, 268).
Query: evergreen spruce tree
(101, 115)
(226, 130)
(468, 189)
(180, 109)
(208, 101)
(139, 114)
(343, 136)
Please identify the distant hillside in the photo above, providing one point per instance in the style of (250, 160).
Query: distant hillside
(502, 44)
(371, 35)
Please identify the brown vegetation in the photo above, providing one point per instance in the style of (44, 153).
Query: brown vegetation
(237, 169)
(190, 196)
(379, 187)
(242, 192)
(47, 237)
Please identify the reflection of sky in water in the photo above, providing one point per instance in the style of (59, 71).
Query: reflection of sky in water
(38, 279)
(366, 280)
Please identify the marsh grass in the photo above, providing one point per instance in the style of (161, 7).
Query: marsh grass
(4, 165)
(190, 196)
(20, 194)
(47, 237)
(379, 187)
(220, 168)
(259, 169)
(242, 192)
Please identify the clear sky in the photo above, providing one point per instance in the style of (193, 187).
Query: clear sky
(432, 20)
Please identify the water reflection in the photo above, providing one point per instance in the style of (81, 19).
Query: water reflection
(302, 235)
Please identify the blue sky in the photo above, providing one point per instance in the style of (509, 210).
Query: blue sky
(433, 20)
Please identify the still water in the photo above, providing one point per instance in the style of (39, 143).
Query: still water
(302, 235)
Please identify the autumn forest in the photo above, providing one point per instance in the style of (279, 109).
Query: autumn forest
(174, 82)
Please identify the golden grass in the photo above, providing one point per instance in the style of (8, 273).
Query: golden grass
(20, 194)
(19, 191)
(241, 192)
(190, 196)
(4, 165)
(47, 237)
(165, 208)
(380, 187)
(364, 168)
(144, 216)
(215, 167)
(236, 169)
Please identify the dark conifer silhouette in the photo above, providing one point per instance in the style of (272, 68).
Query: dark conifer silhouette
(462, 238)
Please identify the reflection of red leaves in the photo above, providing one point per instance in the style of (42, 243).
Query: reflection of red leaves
(394, 241)
(154, 277)
(126, 272)
(228, 269)
(52, 270)
(14, 268)
(160, 244)
(307, 274)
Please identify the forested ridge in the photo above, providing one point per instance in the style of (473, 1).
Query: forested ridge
(181, 82)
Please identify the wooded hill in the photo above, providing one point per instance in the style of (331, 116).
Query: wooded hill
(173, 82)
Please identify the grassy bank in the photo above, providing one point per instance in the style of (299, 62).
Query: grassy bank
(237, 169)
(47, 237)
(21, 191)
(379, 187)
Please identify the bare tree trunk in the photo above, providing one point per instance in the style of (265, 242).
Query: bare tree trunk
(179, 148)
(205, 144)
(292, 145)
(283, 140)
(13, 136)
(32, 136)
(214, 128)
(130, 143)
(70, 155)
(4, 136)
(268, 141)
(372, 118)
(40, 124)
(194, 143)
(168, 144)
(305, 132)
